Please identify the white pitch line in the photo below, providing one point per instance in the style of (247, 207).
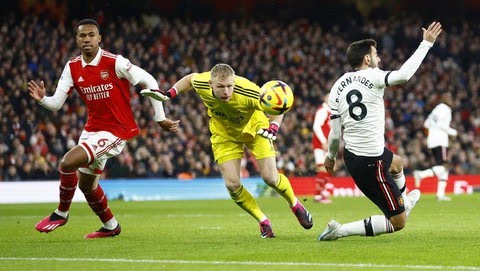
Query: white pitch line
(360, 265)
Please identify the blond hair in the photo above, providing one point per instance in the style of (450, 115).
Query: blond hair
(222, 71)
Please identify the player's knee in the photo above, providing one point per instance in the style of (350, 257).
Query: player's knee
(397, 165)
(270, 179)
(85, 188)
(398, 222)
(232, 185)
(399, 226)
(441, 172)
(67, 164)
(88, 183)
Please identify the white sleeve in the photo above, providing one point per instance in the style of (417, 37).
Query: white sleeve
(334, 137)
(55, 102)
(410, 66)
(65, 83)
(428, 122)
(135, 75)
(444, 119)
(335, 122)
(440, 118)
(333, 99)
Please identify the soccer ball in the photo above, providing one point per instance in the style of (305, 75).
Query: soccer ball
(276, 97)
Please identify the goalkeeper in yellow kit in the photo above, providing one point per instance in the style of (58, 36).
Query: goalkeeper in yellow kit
(237, 121)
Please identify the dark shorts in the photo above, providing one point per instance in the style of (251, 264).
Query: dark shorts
(440, 155)
(372, 177)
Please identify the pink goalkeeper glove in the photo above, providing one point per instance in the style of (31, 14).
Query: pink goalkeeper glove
(160, 95)
(270, 133)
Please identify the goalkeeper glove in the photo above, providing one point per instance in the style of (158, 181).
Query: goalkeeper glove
(270, 133)
(159, 95)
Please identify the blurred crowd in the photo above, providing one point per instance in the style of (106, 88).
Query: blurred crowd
(300, 52)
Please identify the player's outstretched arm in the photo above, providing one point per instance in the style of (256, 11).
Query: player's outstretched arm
(38, 92)
(407, 70)
(182, 85)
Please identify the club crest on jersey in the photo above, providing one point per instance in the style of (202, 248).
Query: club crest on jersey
(104, 74)
(400, 201)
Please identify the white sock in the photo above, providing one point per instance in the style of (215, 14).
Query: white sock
(441, 186)
(111, 224)
(370, 226)
(294, 203)
(399, 179)
(352, 228)
(263, 219)
(63, 214)
(379, 225)
(426, 173)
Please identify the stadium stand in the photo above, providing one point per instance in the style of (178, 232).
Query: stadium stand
(301, 52)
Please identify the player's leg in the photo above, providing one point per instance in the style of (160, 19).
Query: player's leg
(264, 152)
(442, 174)
(440, 169)
(370, 226)
(321, 179)
(396, 170)
(230, 171)
(228, 156)
(100, 146)
(69, 164)
(419, 175)
(98, 202)
(373, 179)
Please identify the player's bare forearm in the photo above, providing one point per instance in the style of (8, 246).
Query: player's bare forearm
(277, 119)
(184, 84)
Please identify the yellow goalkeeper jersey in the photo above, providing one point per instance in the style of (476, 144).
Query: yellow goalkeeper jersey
(237, 120)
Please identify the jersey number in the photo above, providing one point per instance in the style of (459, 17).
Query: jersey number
(102, 142)
(356, 104)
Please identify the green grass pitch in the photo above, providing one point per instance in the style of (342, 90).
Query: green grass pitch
(218, 235)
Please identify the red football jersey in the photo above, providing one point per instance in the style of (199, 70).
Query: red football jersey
(106, 96)
(321, 125)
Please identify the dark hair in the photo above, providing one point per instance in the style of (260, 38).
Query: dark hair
(359, 49)
(88, 21)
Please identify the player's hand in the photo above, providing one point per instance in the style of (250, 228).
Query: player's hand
(159, 94)
(37, 92)
(329, 165)
(169, 125)
(270, 132)
(431, 33)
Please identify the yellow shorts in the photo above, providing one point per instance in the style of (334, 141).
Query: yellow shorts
(229, 150)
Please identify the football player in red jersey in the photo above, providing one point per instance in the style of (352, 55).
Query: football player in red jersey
(102, 80)
(321, 128)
